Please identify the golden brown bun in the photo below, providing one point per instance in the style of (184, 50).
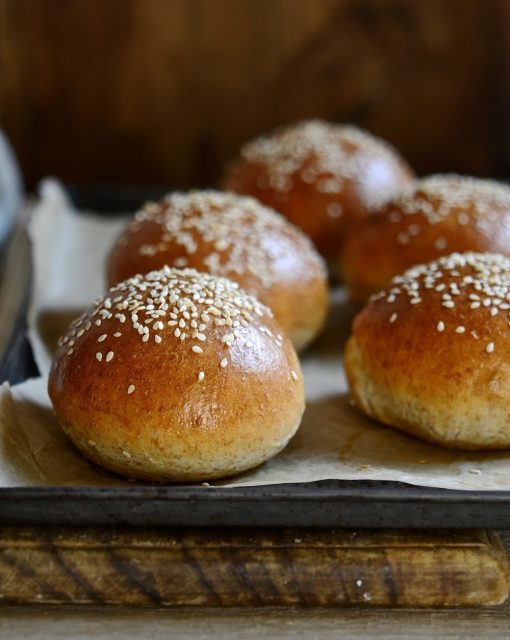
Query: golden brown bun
(235, 237)
(433, 217)
(431, 354)
(139, 399)
(322, 177)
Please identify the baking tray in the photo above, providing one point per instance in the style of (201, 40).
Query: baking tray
(333, 503)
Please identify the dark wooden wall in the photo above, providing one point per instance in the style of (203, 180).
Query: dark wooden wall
(166, 90)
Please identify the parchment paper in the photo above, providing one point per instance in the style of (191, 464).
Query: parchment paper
(333, 442)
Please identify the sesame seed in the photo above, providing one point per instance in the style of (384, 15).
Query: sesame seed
(117, 334)
(102, 338)
(460, 329)
(201, 337)
(126, 454)
(494, 311)
(196, 348)
(177, 332)
(157, 339)
(294, 374)
(334, 209)
(201, 376)
(99, 356)
(145, 337)
(440, 326)
(223, 363)
(393, 317)
(131, 388)
(490, 347)
(109, 356)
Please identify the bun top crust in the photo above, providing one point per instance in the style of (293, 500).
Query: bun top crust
(439, 327)
(182, 307)
(227, 234)
(432, 217)
(320, 175)
(233, 236)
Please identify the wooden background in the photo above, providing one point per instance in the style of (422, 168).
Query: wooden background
(163, 91)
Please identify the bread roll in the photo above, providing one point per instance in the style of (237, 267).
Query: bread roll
(236, 237)
(430, 355)
(323, 177)
(177, 376)
(434, 216)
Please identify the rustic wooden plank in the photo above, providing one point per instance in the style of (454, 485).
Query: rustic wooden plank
(157, 567)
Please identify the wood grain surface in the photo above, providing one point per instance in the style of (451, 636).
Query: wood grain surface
(167, 90)
(228, 567)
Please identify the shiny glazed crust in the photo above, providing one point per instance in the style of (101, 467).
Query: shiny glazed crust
(431, 354)
(435, 216)
(235, 237)
(140, 400)
(322, 177)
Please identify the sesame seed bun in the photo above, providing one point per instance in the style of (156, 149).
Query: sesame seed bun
(235, 237)
(434, 216)
(430, 355)
(177, 376)
(323, 177)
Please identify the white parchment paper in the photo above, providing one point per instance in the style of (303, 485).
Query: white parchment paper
(333, 442)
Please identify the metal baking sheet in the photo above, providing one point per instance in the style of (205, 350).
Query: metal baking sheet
(334, 503)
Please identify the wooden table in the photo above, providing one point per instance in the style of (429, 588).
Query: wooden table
(254, 624)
